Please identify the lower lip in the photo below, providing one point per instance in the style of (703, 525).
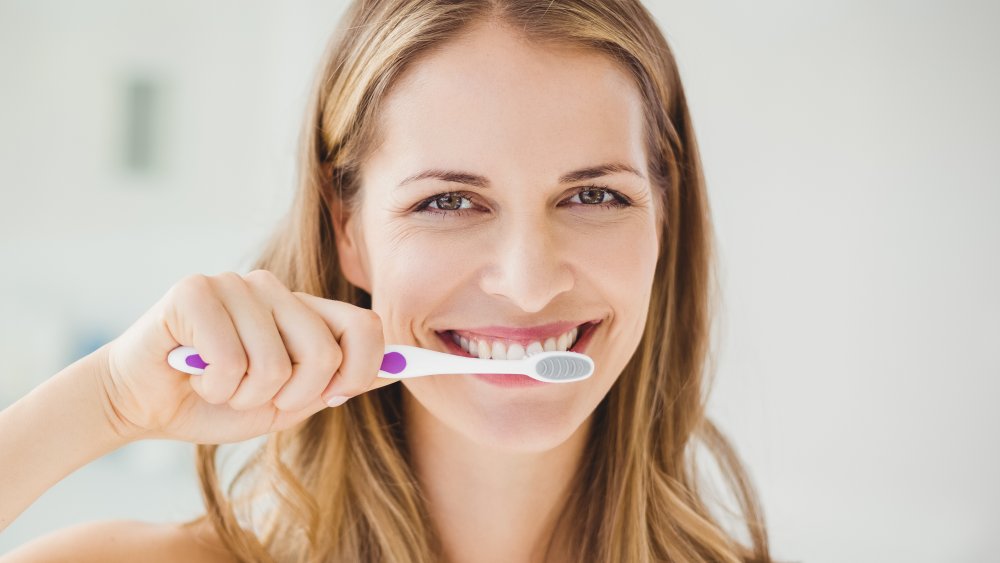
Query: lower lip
(513, 379)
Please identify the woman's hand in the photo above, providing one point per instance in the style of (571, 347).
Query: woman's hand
(274, 358)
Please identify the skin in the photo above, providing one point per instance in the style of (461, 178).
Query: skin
(495, 462)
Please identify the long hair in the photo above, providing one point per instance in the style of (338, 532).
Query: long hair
(339, 486)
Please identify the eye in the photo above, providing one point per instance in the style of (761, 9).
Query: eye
(595, 196)
(451, 203)
(447, 202)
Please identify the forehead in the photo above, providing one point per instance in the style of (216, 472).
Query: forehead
(491, 98)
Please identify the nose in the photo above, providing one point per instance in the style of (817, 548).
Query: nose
(528, 267)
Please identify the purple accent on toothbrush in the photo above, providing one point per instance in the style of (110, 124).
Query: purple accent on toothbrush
(393, 362)
(195, 361)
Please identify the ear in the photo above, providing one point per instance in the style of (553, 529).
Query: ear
(350, 250)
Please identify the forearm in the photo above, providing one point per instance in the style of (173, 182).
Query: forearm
(60, 426)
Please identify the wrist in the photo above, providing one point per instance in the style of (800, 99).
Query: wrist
(97, 373)
(61, 425)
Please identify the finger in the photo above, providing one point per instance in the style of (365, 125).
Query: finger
(360, 335)
(268, 364)
(198, 318)
(312, 348)
(284, 419)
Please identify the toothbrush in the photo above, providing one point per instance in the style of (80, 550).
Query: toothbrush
(402, 361)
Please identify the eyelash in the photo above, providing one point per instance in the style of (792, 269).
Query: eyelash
(619, 201)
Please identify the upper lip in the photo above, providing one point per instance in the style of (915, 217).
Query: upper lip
(525, 334)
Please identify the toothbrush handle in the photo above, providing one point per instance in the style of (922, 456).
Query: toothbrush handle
(412, 361)
(186, 359)
(399, 361)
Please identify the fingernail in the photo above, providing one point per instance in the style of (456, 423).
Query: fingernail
(336, 400)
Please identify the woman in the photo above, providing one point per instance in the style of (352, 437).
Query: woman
(489, 178)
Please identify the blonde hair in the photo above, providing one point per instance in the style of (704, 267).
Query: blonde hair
(340, 485)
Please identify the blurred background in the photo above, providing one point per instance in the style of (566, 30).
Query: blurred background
(851, 154)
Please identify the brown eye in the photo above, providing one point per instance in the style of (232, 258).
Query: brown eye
(593, 196)
(449, 202)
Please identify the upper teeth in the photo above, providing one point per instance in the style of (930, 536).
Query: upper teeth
(488, 348)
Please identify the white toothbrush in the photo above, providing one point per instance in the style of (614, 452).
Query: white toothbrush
(401, 361)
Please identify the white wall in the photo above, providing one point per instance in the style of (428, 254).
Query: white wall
(847, 149)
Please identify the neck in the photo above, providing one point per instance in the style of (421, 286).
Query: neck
(489, 504)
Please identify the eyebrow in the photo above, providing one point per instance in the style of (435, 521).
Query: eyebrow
(483, 182)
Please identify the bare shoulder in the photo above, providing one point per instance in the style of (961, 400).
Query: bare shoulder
(110, 541)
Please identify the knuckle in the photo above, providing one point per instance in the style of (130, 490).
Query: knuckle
(283, 403)
(349, 383)
(241, 403)
(217, 398)
(214, 394)
(223, 387)
(193, 284)
(228, 276)
(276, 370)
(232, 362)
(196, 279)
(266, 377)
(264, 278)
(373, 322)
(371, 317)
(329, 356)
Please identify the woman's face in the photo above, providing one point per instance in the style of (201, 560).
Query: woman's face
(520, 254)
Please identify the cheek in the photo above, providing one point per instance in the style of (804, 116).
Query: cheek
(412, 277)
(620, 260)
(622, 264)
(416, 270)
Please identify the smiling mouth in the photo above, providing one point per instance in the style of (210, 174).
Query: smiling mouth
(489, 347)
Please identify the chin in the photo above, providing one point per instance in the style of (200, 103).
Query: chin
(521, 426)
(522, 442)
